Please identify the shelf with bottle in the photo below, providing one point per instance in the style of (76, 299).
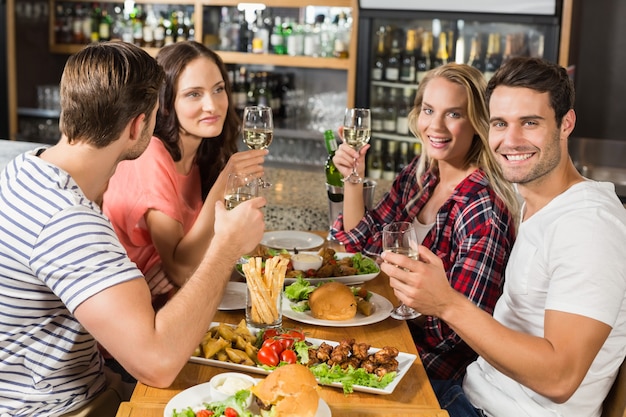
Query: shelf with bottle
(388, 157)
(403, 53)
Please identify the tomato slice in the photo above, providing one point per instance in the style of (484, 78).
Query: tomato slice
(268, 356)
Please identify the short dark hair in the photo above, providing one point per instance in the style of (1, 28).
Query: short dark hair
(539, 75)
(104, 86)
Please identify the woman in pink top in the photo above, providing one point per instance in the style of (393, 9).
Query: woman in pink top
(162, 203)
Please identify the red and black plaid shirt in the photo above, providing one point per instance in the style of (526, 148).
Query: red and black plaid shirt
(473, 235)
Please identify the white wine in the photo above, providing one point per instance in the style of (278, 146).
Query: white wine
(233, 200)
(356, 137)
(410, 252)
(257, 138)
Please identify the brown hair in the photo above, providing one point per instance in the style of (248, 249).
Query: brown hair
(539, 75)
(213, 153)
(473, 81)
(104, 86)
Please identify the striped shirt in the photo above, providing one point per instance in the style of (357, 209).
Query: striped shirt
(473, 235)
(57, 249)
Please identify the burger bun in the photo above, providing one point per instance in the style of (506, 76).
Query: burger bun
(290, 391)
(333, 301)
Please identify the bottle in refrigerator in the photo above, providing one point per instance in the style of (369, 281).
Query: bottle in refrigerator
(459, 48)
(375, 159)
(333, 176)
(391, 111)
(404, 107)
(474, 56)
(493, 59)
(441, 58)
(389, 161)
(378, 67)
(424, 60)
(392, 67)
(408, 65)
(403, 156)
(378, 109)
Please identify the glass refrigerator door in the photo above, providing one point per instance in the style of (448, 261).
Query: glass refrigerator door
(399, 50)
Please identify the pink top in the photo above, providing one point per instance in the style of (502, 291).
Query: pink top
(150, 182)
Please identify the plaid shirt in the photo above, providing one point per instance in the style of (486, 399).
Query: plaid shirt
(473, 236)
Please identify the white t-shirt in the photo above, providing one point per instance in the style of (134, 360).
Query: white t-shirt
(570, 256)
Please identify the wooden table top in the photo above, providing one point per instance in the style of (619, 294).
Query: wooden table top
(413, 396)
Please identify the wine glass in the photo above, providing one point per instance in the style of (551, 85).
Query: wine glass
(239, 188)
(400, 237)
(356, 133)
(258, 130)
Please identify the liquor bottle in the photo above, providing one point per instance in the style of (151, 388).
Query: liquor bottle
(493, 59)
(260, 35)
(417, 150)
(104, 27)
(95, 23)
(240, 95)
(375, 166)
(77, 25)
(378, 67)
(441, 58)
(403, 156)
(459, 49)
(137, 24)
(474, 57)
(423, 63)
(277, 39)
(408, 66)
(159, 33)
(391, 111)
(252, 90)
(508, 48)
(404, 107)
(263, 94)
(245, 37)
(389, 161)
(150, 28)
(378, 109)
(182, 29)
(333, 176)
(392, 67)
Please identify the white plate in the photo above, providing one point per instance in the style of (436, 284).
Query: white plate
(234, 296)
(290, 239)
(382, 310)
(348, 279)
(405, 361)
(194, 397)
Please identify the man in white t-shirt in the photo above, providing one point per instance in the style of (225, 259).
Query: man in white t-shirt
(558, 333)
(66, 283)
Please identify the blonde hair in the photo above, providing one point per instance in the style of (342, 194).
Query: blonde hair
(479, 154)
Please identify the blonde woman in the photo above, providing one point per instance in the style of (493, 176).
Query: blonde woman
(455, 196)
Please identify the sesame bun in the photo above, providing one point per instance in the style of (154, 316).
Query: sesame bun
(332, 301)
(290, 391)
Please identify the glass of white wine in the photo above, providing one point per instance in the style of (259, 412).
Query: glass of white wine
(357, 129)
(258, 130)
(400, 237)
(240, 188)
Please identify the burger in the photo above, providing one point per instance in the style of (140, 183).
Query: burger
(289, 391)
(333, 301)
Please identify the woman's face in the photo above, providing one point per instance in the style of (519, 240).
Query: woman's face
(201, 102)
(443, 122)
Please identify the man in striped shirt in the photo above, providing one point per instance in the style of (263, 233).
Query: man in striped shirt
(66, 283)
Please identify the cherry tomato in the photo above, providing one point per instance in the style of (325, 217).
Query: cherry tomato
(285, 341)
(274, 344)
(362, 292)
(288, 356)
(310, 273)
(267, 356)
(296, 335)
(230, 412)
(269, 334)
(204, 413)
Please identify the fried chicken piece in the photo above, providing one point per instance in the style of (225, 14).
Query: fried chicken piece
(352, 361)
(325, 271)
(369, 365)
(360, 350)
(385, 354)
(385, 368)
(313, 359)
(323, 352)
(345, 270)
(341, 352)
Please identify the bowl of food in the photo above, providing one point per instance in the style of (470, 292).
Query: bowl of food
(305, 261)
(228, 384)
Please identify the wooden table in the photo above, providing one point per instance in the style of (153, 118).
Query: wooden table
(412, 397)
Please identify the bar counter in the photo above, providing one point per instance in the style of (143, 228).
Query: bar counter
(296, 200)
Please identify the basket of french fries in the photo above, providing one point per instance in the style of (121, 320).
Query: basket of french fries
(265, 286)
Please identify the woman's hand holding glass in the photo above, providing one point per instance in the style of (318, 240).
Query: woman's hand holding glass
(239, 188)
